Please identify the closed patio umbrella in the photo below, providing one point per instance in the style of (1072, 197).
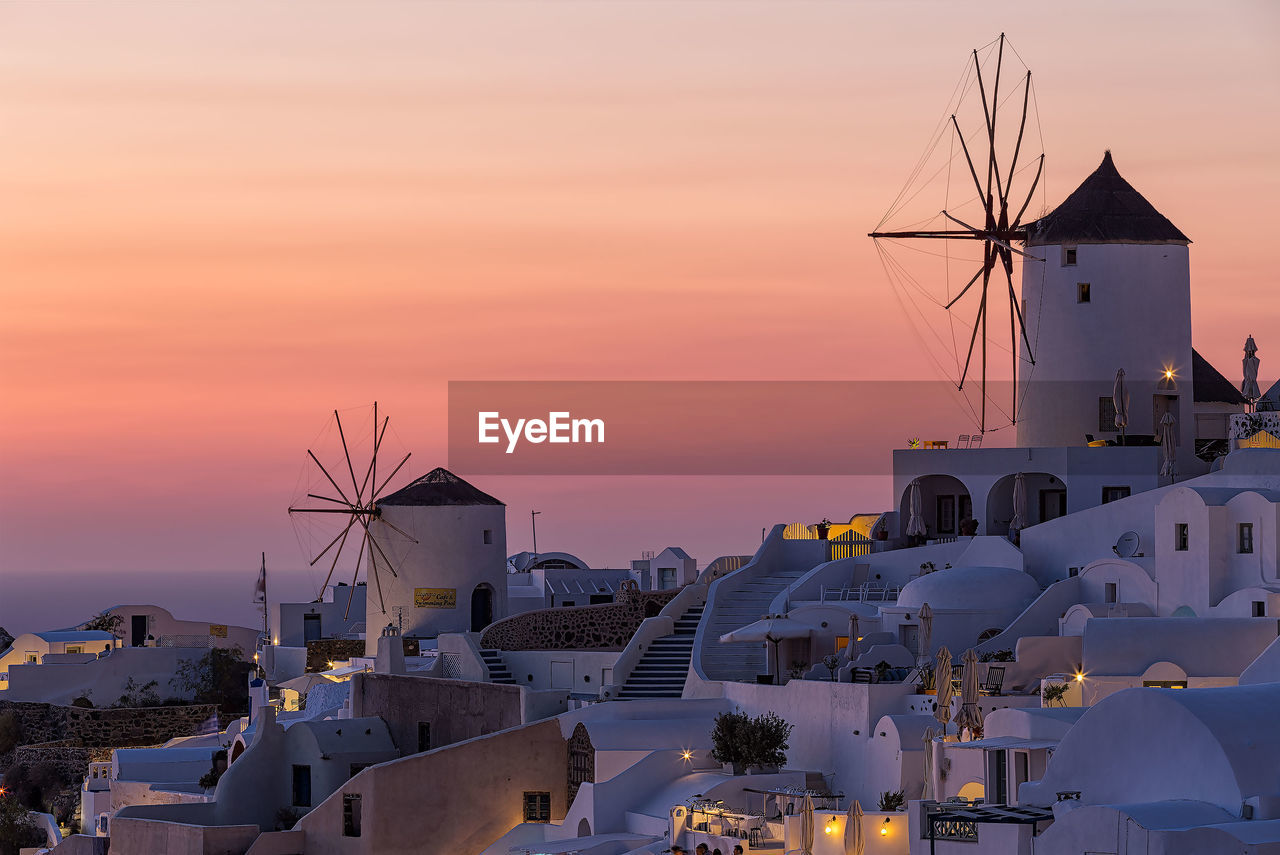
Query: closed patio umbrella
(970, 716)
(772, 629)
(926, 635)
(854, 842)
(1168, 445)
(927, 792)
(1019, 520)
(853, 649)
(1120, 400)
(942, 679)
(806, 825)
(1249, 388)
(915, 524)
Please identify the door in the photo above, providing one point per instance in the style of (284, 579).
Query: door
(1053, 504)
(481, 607)
(310, 628)
(909, 635)
(302, 786)
(137, 630)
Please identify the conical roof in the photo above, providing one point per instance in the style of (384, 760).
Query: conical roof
(439, 487)
(1104, 209)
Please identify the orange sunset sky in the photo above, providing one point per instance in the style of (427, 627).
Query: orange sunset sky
(221, 221)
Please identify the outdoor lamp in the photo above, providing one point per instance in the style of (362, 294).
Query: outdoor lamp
(831, 828)
(686, 754)
(884, 829)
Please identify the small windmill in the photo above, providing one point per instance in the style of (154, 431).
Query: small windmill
(1000, 226)
(360, 505)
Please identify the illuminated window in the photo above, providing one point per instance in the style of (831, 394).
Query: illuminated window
(76, 648)
(1181, 537)
(1082, 292)
(1246, 538)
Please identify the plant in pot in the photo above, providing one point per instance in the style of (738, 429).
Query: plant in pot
(824, 528)
(891, 801)
(831, 662)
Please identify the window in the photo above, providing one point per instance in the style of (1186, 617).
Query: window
(568, 602)
(537, 807)
(1114, 494)
(1246, 538)
(488, 535)
(666, 578)
(32, 658)
(1082, 292)
(76, 648)
(1069, 254)
(1073, 571)
(350, 814)
(1181, 537)
(1259, 608)
(1164, 684)
(302, 786)
(1111, 592)
(999, 776)
(946, 515)
(424, 736)
(1106, 414)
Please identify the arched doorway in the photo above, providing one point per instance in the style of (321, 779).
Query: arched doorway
(944, 502)
(1046, 499)
(584, 828)
(481, 607)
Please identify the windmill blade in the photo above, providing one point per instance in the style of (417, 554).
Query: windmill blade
(336, 556)
(351, 594)
(340, 535)
(373, 542)
(1022, 127)
(347, 454)
(330, 477)
(988, 236)
(1017, 311)
(966, 288)
(1030, 194)
(990, 116)
(397, 529)
(321, 498)
(372, 471)
(965, 148)
(973, 337)
(378, 491)
(377, 580)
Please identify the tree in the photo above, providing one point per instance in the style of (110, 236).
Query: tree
(17, 830)
(743, 741)
(105, 622)
(219, 677)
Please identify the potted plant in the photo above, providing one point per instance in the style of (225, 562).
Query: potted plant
(890, 801)
(824, 528)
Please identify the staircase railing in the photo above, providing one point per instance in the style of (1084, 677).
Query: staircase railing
(662, 624)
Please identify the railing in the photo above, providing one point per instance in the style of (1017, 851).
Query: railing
(861, 594)
(450, 666)
(202, 641)
(939, 826)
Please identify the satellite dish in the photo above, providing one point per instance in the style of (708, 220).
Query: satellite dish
(1127, 545)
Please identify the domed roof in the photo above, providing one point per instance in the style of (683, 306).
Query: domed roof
(439, 487)
(982, 588)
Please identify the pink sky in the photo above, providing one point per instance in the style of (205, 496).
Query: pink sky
(225, 220)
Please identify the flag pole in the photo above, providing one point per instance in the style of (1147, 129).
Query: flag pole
(266, 628)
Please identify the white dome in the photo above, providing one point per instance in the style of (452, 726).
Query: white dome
(989, 589)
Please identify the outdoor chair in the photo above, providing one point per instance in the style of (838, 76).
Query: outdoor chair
(994, 681)
(976, 441)
(962, 441)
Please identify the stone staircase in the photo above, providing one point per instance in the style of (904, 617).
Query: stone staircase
(746, 602)
(662, 669)
(498, 670)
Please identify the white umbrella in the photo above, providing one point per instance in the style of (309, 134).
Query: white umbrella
(1120, 400)
(1168, 445)
(854, 842)
(926, 634)
(970, 716)
(772, 629)
(853, 650)
(303, 684)
(915, 525)
(806, 825)
(942, 679)
(1019, 521)
(1249, 388)
(926, 793)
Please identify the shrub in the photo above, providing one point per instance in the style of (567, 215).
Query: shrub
(741, 740)
(105, 622)
(1054, 695)
(17, 830)
(893, 801)
(10, 732)
(83, 702)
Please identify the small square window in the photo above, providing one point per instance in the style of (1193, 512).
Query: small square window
(1114, 494)
(537, 807)
(1181, 537)
(351, 814)
(1082, 292)
(488, 535)
(1068, 256)
(32, 658)
(1259, 608)
(1246, 539)
(1073, 571)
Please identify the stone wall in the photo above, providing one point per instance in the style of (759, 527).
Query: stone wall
(325, 650)
(71, 761)
(604, 627)
(114, 727)
(452, 710)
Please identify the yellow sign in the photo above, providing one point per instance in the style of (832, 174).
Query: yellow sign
(218, 630)
(435, 598)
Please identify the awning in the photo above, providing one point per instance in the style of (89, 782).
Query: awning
(996, 743)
